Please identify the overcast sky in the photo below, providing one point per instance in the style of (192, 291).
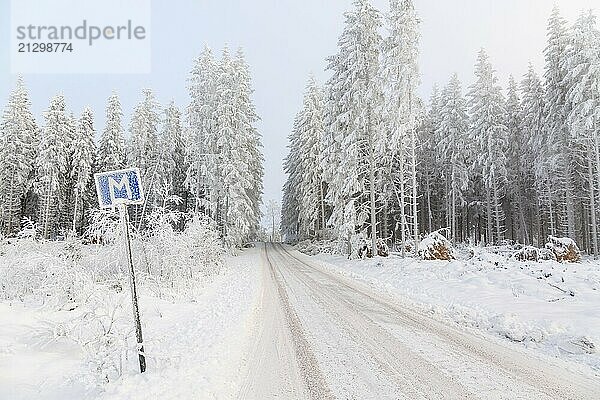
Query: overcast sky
(284, 41)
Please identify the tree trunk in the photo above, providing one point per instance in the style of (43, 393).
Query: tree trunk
(497, 214)
(75, 212)
(453, 208)
(592, 204)
(551, 210)
(402, 197)
(414, 187)
(322, 209)
(429, 216)
(489, 222)
(372, 198)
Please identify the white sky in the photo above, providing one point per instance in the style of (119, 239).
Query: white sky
(285, 40)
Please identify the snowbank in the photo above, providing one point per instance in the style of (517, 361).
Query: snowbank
(66, 327)
(547, 305)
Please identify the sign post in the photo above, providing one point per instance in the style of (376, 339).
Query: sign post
(118, 189)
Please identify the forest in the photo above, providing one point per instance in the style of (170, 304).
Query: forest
(204, 160)
(483, 163)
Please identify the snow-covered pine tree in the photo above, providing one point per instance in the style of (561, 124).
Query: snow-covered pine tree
(172, 167)
(354, 124)
(488, 131)
(144, 151)
(251, 141)
(541, 154)
(81, 164)
(430, 167)
(111, 151)
(201, 131)
(52, 167)
(236, 158)
(400, 74)
(311, 186)
(561, 172)
(582, 82)
(18, 147)
(67, 180)
(521, 193)
(292, 166)
(453, 148)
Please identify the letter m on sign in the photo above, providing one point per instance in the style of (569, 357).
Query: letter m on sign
(119, 187)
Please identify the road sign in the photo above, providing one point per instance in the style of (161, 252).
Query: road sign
(118, 189)
(123, 186)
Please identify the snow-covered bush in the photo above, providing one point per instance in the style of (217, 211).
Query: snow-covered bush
(435, 246)
(178, 263)
(527, 253)
(86, 281)
(364, 248)
(565, 249)
(104, 227)
(313, 247)
(46, 274)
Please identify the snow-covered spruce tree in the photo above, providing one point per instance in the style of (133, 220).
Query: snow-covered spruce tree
(312, 191)
(453, 148)
(559, 140)
(172, 167)
(18, 142)
(400, 74)
(488, 131)
(52, 167)
(252, 141)
(236, 159)
(292, 166)
(582, 82)
(304, 211)
(81, 164)
(111, 151)
(430, 166)
(221, 164)
(201, 131)
(144, 151)
(354, 124)
(520, 193)
(67, 184)
(540, 152)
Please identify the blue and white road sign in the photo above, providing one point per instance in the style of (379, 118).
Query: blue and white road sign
(119, 187)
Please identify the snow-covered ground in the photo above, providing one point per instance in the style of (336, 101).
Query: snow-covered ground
(547, 305)
(49, 352)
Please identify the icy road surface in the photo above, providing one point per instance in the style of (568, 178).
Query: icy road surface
(320, 335)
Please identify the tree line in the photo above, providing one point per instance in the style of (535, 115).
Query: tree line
(491, 165)
(206, 159)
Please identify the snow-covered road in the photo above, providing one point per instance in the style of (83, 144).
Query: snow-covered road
(320, 335)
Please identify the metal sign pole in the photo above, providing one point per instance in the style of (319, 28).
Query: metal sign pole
(134, 300)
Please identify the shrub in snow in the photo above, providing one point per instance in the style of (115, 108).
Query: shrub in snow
(527, 253)
(178, 263)
(435, 246)
(86, 282)
(564, 249)
(362, 246)
(325, 246)
(104, 227)
(382, 248)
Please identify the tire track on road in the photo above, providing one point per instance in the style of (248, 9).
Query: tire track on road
(316, 384)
